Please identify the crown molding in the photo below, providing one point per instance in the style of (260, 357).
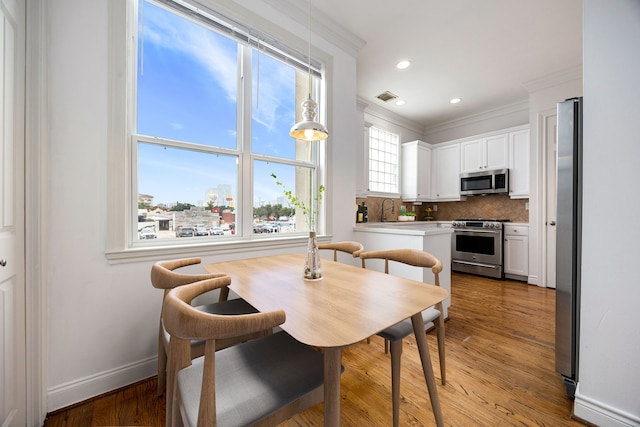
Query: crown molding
(554, 79)
(390, 116)
(504, 110)
(361, 105)
(321, 25)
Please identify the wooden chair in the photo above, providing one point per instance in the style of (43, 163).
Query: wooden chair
(260, 382)
(432, 315)
(164, 277)
(352, 248)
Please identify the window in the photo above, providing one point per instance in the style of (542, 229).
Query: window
(213, 103)
(383, 161)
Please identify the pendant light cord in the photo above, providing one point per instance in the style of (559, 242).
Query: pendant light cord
(309, 38)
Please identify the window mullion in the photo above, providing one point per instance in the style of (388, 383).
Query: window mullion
(245, 172)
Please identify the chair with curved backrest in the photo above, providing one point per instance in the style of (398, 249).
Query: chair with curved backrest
(352, 248)
(263, 381)
(397, 332)
(164, 277)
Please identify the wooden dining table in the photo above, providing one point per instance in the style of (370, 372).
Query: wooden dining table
(349, 304)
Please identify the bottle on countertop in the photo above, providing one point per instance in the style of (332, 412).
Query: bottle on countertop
(359, 214)
(365, 213)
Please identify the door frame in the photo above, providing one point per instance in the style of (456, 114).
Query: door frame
(36, 174)
(544, 249)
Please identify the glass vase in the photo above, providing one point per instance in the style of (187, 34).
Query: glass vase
(312, 266)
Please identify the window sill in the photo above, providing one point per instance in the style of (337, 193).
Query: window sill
(154, 253)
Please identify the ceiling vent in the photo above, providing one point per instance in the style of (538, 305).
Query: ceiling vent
(387, 96)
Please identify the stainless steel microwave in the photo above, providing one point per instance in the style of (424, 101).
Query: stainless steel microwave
(484, 182)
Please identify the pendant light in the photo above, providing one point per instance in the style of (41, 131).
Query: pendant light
(308, 129)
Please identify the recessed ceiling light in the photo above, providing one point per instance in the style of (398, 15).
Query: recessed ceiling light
(455, 100)
(403, 64)
(401, 102)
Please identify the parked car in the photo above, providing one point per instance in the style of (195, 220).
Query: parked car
(216, 231)
(200, 231)
(184, 232)
(148, 233)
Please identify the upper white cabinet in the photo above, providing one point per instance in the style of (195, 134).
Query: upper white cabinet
(446, 167)
(485, 153)
(416, 172)
(432, 172)
(519, 164)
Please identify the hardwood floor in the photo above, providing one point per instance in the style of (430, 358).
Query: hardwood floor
(500, 371)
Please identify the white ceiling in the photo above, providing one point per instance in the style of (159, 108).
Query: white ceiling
(483, 51)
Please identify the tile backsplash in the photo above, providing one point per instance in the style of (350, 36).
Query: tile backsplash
(493, 206)
(374, 208)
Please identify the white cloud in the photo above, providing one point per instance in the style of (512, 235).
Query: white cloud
(219, 58)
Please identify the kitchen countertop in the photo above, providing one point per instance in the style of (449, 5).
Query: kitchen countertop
(414, 228)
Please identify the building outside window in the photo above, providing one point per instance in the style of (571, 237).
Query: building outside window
(206, 138)
(384, 150)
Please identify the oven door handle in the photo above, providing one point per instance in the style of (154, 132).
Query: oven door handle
(479, 230)
(475, 263)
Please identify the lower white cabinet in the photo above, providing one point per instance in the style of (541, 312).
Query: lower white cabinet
(516, 252)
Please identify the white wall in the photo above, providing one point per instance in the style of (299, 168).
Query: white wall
(609, 363)
(102, 319)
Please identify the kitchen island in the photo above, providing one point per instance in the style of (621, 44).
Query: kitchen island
(432, 237)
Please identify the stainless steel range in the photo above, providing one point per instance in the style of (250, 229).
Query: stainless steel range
(476, 247)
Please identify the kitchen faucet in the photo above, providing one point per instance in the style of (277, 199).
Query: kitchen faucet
(382, 210)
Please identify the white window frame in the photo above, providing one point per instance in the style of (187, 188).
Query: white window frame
(395, 165)
(119, 242)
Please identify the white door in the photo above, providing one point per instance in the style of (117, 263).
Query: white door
(551, 148)
(12, 236)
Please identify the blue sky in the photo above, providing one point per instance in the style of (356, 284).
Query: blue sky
(187, 90)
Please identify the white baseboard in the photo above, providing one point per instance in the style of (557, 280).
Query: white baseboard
(63, 395)
(601, 414)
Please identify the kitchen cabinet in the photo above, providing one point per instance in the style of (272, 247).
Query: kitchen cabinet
(446, 167)
(519, 164)
(416, 172)
(516, 252)
(486, 153)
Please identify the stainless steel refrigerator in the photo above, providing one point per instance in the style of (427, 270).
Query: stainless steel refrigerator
(568, 240)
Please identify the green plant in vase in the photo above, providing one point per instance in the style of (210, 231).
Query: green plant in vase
(312, 267)
(310, 213)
